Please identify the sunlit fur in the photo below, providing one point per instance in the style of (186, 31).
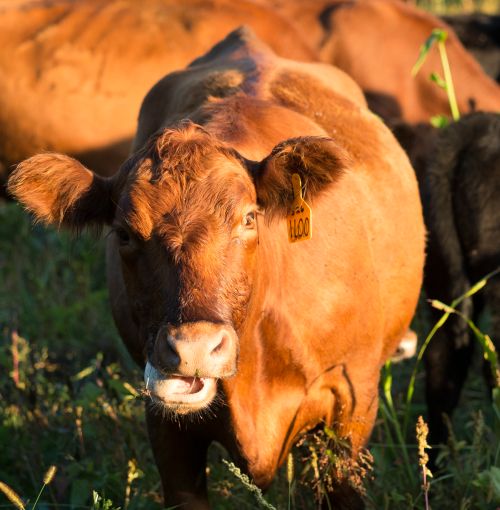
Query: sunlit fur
(51, 185)
(318, 161)
(75, 86)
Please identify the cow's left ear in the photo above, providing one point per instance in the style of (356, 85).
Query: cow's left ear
(59, 190)
(318, 160)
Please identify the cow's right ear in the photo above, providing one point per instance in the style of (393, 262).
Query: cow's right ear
(318, 160)
(59, 190)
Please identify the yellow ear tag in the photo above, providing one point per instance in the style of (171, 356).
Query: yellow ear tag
(299, 217)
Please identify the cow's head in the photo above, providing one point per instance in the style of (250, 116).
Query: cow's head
(183, 216)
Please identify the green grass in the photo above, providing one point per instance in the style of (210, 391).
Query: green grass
(67, 399)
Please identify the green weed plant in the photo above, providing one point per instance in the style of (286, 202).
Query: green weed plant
(438, 37)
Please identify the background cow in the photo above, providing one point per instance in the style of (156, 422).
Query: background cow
(74, 73)
(377, 43)
(207, 291)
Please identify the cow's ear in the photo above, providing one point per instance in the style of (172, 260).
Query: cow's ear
(318, 160)
(59, 190)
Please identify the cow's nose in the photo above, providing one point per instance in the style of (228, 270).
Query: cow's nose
(202, 350)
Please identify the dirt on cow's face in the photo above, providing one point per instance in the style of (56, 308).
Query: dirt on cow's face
(186, 231)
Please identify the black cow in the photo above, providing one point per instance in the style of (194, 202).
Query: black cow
(458, 169)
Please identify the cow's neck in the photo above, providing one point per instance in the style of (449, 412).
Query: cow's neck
(266, 400)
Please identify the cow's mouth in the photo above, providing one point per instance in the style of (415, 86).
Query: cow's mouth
(179, 393)
(186, 385)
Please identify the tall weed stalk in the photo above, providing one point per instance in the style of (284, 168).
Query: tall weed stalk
(439, 37)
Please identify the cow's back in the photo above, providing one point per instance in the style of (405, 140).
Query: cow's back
(73, 73)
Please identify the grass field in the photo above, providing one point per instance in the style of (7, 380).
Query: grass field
(68, 398)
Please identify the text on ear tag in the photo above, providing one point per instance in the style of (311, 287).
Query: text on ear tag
(299, 217)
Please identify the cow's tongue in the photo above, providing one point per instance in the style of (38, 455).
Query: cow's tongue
(185, 385)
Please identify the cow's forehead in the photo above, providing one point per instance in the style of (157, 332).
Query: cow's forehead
(180, 182)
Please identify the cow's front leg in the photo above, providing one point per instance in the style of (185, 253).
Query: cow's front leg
(181, 460)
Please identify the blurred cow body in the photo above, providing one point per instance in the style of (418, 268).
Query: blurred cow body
(75, 86)
(377, 43)
(74, 73)
(207, 291)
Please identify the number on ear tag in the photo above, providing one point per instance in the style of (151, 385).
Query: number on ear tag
(299, 217)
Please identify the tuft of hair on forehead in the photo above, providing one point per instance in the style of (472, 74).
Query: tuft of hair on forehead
(174, 152)
(181, 174)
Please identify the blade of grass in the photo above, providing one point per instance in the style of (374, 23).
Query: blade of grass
(423, 52)
(387, 386)
(439, 36)
(450, 89)
(248, 484)
(489, 351)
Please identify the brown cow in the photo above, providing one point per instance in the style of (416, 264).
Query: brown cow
(75, 86)
(256, 338)
(377, 42)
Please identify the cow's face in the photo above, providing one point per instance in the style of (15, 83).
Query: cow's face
(183, 213)
(186, 231)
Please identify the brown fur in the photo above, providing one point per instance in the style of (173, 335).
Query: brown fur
(74, 73)
(60, 190)
(377, 42)
(314, 321)
(318, 161)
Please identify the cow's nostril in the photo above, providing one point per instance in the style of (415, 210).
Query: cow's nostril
(172, 355)
(220, 346)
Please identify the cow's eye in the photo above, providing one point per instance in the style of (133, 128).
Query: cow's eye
(123, 236)
(249, 219)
